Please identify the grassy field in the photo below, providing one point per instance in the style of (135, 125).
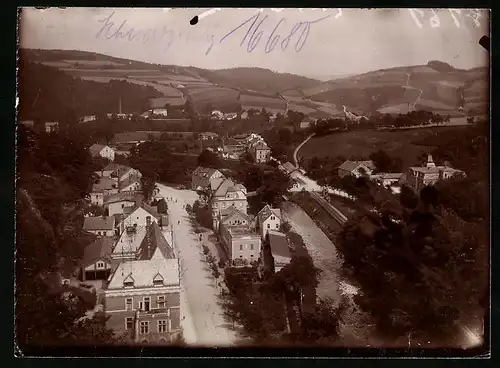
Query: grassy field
(363, 143)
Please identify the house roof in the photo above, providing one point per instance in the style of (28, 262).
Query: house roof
(352, 165)
(209, 134)
(98, 249)
(104, 183)
(232, 212)
(112, 167)
(288, 167)
(143, 272)
(267, 211)
(95, 149)
(388, 176)
(128, 181)
(154, 241)
(436, 169)
(262, 146)
(224, 187)
(130, 242)
(201, 176)
(99, 223)
(279, 244)
(124, 196)
(214, 184)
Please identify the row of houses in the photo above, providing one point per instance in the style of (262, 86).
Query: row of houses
(133, 264)
(416, 177)
(240, 233)
(114, 179)
(235, 147)
(47, 126)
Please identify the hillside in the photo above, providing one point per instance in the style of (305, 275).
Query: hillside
(50, 94)
(437, 87)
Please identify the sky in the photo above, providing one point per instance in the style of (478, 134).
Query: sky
(310, 42)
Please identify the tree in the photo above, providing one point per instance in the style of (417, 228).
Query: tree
(408, 198)
(209, 159)
(417, 268)
(322, 325)
(384, 163)
(148, 186)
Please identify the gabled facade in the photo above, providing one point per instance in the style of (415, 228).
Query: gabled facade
(102, 151)
(261, 153)
(268, 219)
(228, 194)
(142, 299)
(96, 263)
(419, 177)
(356, 168)
(116, 203)
(103, 187)
(202, 177)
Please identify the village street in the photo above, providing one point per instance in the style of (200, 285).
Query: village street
(202, 320)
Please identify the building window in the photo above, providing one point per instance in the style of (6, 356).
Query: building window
(251, 246)
(144, 328)
(161, 301)
(277, 226)
(128, 304)
(268, 226)
(129, 323)
(100, 264)
(99, 233)
(272, 217)
(162, 326)
(241, 246)
(147, 303)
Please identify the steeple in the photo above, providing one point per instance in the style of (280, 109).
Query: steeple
(430, 162)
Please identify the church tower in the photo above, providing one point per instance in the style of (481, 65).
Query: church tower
(430, 162)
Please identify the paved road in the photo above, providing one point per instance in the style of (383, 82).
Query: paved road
(295, 160)
(203, 322)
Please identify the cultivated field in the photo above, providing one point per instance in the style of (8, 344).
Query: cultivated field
(216, 96)
(363, 143)
(263, 101)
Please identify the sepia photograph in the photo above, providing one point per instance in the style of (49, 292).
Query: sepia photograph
(292, 182)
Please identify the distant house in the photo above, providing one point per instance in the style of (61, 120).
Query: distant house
(51, 126)
(356, 168)
(139, 215)
(88, 119)
(116, 203)
(162, 112)
(27, 123)
(142, 297)
(241, 138)
(96, 262)
(230, 116)
(130, 184)
(419, 177)
(102, 151)
(203, 176)
(280, 250)
(104, 186)
(305, 124)
(241, 242)
(268, 219)
(228, 194)
(244, 115)
(261, 152)
(216, 114)
(208, 135)
(387, 179)
(100, 225)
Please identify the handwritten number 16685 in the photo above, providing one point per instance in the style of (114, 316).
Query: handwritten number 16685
(254, 35)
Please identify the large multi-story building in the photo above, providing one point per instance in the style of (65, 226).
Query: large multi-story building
(228, 194)
(419, 177)
(142, 297)
(261, 153)
(242, 243)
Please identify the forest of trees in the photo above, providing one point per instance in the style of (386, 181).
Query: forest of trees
(47, 93)
(54, 178)
(421, 260)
